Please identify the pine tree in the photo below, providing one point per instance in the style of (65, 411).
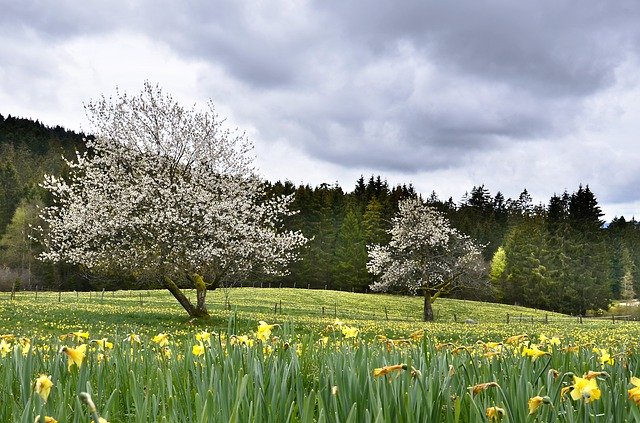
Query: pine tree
(584, 212)
(10, 193)
(374, 228)
(351, 253)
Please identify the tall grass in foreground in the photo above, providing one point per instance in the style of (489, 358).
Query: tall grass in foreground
(333, 376)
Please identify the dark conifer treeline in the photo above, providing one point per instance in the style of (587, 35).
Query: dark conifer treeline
(555, 255)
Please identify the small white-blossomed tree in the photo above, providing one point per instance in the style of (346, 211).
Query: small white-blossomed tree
(425, 253)
(168, 194)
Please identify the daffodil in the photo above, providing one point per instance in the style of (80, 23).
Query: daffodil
(241, 340)
(25, 346)
(161, 339)
(476, 389)
(382, 371)
(204, 336)
(349, 332)
(5, 348)
(592, 375)
(43, 386)
(104, 344)
(552, 341)
(586, 389)
(533, 352)
(80, 335)
(516, 339)
(166, 351)
(634, 393)
(495, 414)
(417, 335)
(536, 402)
(47, 419)
(74, 355)
(134, 338)
(198, 350)
(264, 331)
(605, 358)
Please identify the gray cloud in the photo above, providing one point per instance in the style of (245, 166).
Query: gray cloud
(409, 87)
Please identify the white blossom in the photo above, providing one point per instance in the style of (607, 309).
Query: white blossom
(168, 191)
(425, 252)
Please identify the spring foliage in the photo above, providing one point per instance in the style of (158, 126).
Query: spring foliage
(425, 252)
(165, 191)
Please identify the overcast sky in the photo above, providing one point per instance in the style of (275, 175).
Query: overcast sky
(542, 95)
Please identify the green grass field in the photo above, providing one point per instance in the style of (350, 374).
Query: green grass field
(309, 368)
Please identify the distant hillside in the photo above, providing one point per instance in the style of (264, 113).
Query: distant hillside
(21, 133)
(28, 150)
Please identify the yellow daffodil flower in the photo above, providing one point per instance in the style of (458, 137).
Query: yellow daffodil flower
(5, 348)
(204, 336)
(80, 335)
(25, 346)
(161, 339)
(198, 350)
(349, 332)
(47, 419)
(104, 344)
(591, 374)
(417, 335)
(605, 358)
(43, 386)
(536, 402)
(634, 393)
(476, 389)
(495, 414)
(382, 371)
(533, 352)
(134, 338)
(74, 355)
(516, 339)
(241, 340)
(585, 388)
(166, 351)
(264, 331)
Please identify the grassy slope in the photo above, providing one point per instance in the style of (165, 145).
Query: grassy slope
(122, 312)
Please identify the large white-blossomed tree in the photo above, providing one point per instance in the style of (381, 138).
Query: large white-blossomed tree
(425, 253)
(169, 194)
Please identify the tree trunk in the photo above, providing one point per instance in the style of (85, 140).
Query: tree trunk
(184, 301)
(201, 295)
(428, 310)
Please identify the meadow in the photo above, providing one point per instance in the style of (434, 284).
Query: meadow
(317, 356)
